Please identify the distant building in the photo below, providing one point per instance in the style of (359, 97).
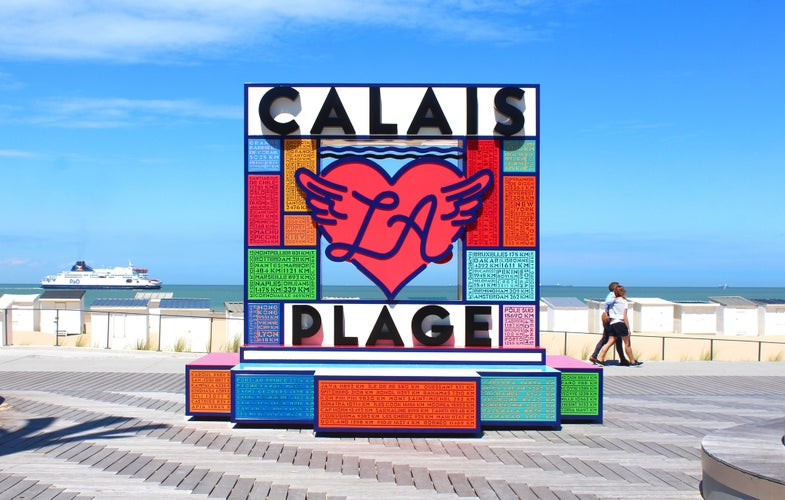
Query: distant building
(564, 314)
(62, 312)
(120, 323)
(739, 316)
(185, 325)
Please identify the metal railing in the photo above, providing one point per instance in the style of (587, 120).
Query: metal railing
(218, 326)
(667, 347)
(206, 332)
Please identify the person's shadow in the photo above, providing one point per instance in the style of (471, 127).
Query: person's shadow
(33, 434)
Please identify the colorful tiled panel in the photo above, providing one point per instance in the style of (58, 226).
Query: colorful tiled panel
(208, 385)
(397, 405)
(581, 388)
(272, 397)
(580, 393)
(515, 399)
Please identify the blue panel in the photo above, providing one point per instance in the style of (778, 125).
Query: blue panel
(277, 397)
(264, 324)
(264, 155)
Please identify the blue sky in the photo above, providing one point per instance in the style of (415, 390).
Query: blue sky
(662, 150)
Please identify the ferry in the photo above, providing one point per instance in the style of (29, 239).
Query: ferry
(82, 276)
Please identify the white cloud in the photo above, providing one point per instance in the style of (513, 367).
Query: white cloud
(122, 112)
(13, 153)
(15, 262)
(144, 30)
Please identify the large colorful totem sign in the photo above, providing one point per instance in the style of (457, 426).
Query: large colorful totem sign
(391, 253)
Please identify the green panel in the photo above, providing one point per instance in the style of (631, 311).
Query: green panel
(281, 274)
(580, 393)
(518, 399)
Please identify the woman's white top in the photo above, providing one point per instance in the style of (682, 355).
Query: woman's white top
(617, 311)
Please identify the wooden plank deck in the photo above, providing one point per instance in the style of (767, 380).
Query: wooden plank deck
(73, 425)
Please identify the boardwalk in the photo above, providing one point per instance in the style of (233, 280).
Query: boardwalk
(82, 423)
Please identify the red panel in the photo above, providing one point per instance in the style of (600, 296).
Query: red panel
(484, 154)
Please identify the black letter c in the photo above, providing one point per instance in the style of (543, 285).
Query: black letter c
(266, 103)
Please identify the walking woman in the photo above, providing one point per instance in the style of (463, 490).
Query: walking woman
(620, 326)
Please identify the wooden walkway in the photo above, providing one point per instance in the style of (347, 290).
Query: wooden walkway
(74, 425)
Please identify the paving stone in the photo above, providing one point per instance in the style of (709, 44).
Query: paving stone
(219, 442)
(318, 459)
(135, 466)
(177, 475)
(190, 481)
(367, 468)
(502, 489)
(461, 485)
(259, 449)
(241, 489)
(441, 482)
(273, 451)
(123, 462)
(18, 490)
(403, 475)
(334, 462)
(162, 472)
(421, 478)
(350, 465)
(260, 490)
(384, 472)
(207, 483)
(149, 469)
(245, 447)
(224, 486)
(481, 487)
(287, 455)
(278, 492)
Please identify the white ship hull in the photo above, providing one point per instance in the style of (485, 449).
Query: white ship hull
(82, 276)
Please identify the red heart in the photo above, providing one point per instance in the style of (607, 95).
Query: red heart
(391, 228)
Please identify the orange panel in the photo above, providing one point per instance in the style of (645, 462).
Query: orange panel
(298, 153)
(209, 391)
(299, 231)
(397, 404)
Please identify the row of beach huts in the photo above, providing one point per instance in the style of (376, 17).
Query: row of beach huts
(726, 315)
(157, 320)
(150, 320)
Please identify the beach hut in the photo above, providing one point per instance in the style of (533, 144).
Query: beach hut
(696, 318)
(235, 322)
(771, 316)
(18, 312)
(62, 311)
(653, 315)
(185, 325)
(544, 325)
(738, 316)
(120, 323)
(565, 314)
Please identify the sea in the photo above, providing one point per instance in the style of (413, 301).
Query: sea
(220, 294)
